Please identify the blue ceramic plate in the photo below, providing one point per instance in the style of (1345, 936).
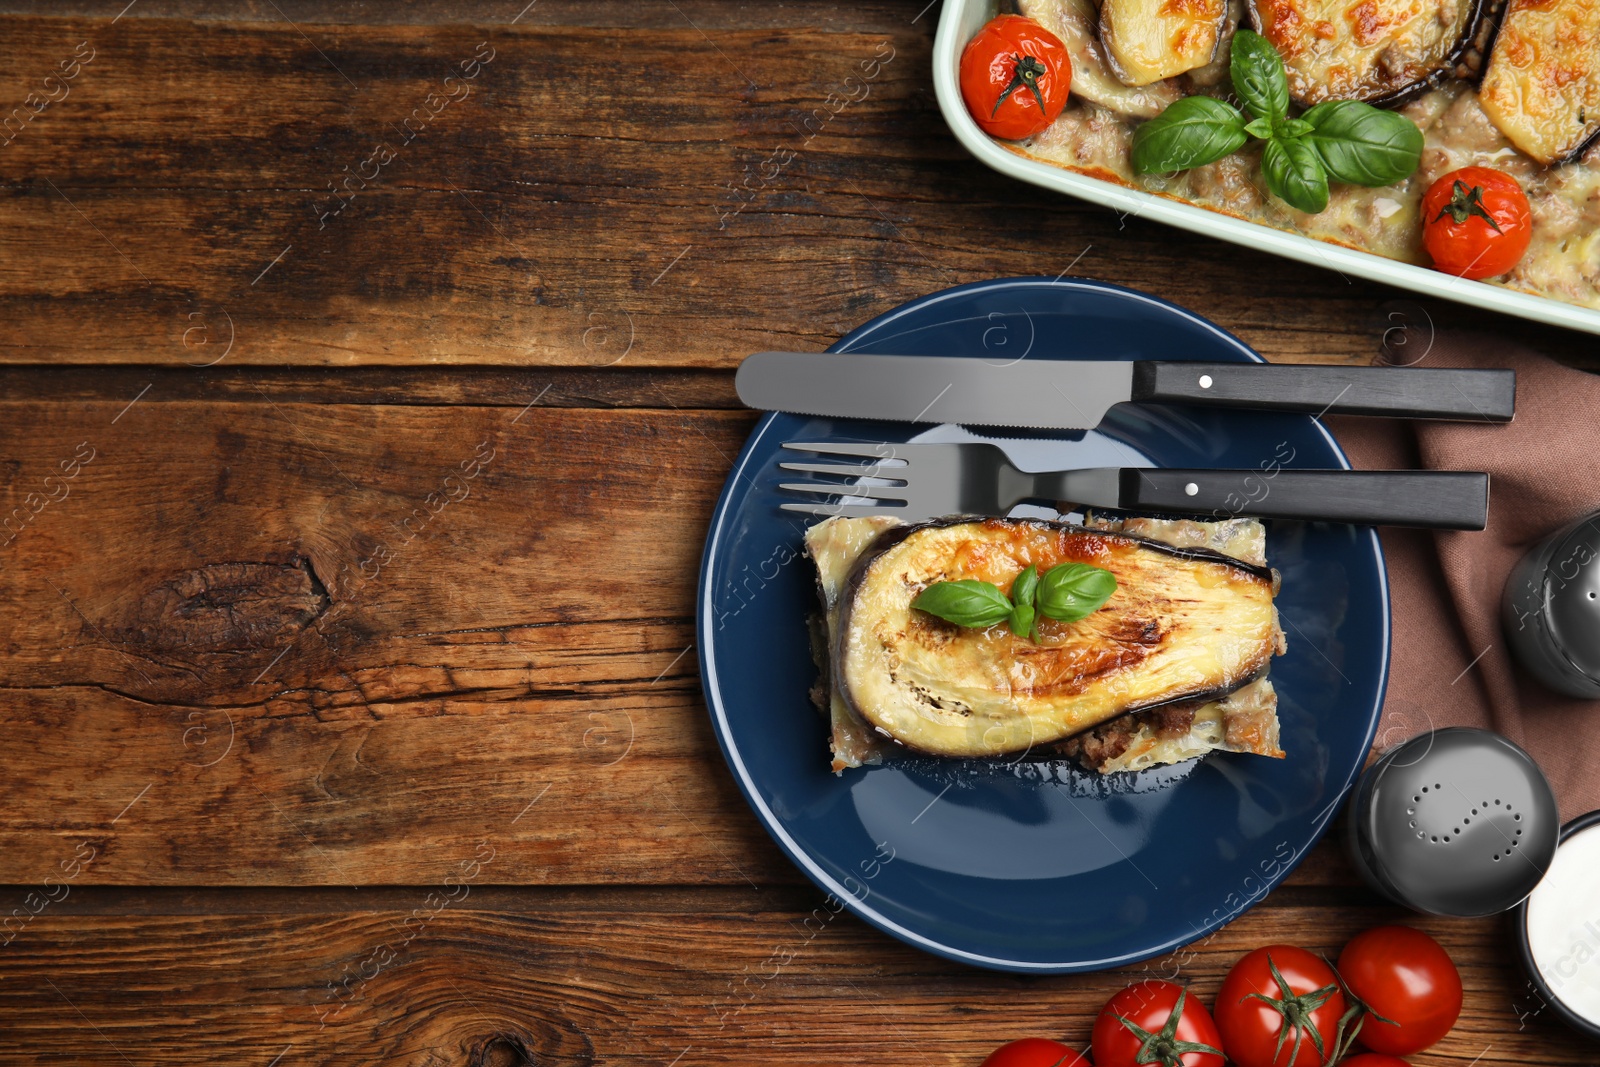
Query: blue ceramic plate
(1043, 867)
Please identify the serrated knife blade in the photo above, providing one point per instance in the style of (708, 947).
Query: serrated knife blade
(1062, 394)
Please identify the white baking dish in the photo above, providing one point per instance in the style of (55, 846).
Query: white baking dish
(962, 18)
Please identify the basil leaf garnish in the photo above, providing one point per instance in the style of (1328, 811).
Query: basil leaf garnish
(1342, 139)
(1071, 591)
(1022, 619)
(1191, 132)
(1363, 145)
(968, 602)
(1022, 592)
(1258, 75)
(1068, 593)
(1022, 588)
(1294, 174)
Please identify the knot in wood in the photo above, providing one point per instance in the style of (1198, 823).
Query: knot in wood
(503, 1050)
(229, 606)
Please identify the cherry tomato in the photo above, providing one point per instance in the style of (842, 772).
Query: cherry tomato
(1373, 1059)
(1280, 1007)
(1035, 1052)
(1403, 976)
(1014, 77)
(1475, 222)
(1159, 1024)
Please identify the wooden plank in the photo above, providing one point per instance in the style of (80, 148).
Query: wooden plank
(602, 976)
(839, 14)
(251, 188)
(314, 642)
(504, 387)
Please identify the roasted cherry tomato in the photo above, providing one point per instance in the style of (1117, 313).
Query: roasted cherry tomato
(1411, 988)
(1373, 1059)
(1476, 222)
(1155, 1023)
(1280, 1007)
(1035, 1052)
(1014, 77)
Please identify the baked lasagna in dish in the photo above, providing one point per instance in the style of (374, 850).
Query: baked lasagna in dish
(1512, 85)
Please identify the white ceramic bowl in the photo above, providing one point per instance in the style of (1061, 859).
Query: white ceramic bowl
(963, 18)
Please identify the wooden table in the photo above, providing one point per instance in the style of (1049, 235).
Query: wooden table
(367, 387)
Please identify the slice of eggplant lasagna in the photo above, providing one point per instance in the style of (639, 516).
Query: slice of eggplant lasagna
(1171, 667)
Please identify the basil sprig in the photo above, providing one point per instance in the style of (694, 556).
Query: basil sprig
(1066, 593)
(1346, 140)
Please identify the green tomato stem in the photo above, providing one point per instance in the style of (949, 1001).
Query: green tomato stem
(1026, 73)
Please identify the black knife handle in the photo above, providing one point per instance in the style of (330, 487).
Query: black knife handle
(1399, 392)
(1438, 500)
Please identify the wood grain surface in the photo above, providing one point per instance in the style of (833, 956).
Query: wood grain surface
(637, 976)
(349, 708)
(222, 187)
(319, 634)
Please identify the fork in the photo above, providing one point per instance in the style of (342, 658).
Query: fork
(975, 478)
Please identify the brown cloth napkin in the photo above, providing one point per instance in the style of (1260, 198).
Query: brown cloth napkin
(1451, 665)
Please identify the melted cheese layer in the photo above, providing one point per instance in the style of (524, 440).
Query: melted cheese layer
(1361, 49)
(1542, 88)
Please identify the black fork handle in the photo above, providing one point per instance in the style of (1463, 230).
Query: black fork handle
(1438, 500)
(1398, 392)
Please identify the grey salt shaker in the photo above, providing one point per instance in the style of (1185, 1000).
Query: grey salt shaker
(1551, 609)
(1455, 821)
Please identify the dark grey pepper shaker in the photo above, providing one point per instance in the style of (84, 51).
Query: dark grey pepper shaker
(1551, 609)
(1454, 822)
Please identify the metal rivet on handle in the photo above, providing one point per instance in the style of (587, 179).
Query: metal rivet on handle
(1191, 489)
(1205, 381)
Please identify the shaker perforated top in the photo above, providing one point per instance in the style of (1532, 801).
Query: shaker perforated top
(1551, 609)
(1454, 822)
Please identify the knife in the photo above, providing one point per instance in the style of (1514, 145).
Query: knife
(1075, 394)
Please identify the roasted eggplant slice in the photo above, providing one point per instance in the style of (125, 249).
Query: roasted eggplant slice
(1151, 40)
(1183, 624)
(1542, 88)
(1380, 51)
(1076, 22)
(1216, 71)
